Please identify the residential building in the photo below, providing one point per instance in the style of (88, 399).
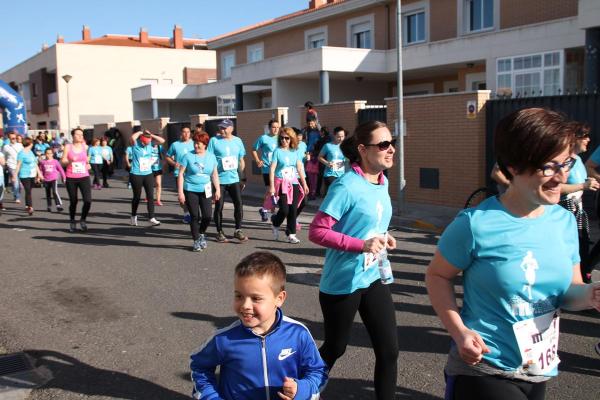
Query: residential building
(103, 72)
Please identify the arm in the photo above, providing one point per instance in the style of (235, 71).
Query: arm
(64, 160)
(272, 176)
(180, 194)
(61, 170)
(127, 161)
(581, 296)
(135, 137)
(440, 288)
(300, 169)
(589, 184)
(590, 167)
(18, 167)
(216, 183)
(157, 139)
(171, 159)
(498, 176)
(312, 374)
(257, 160)
(321, 232)
(203, 365)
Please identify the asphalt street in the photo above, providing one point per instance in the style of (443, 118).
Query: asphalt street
(115, 312)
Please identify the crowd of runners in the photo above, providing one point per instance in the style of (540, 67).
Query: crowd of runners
(520, 253)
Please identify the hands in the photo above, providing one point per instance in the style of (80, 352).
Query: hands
(591, 184)
(375, 244)
(391, 242)
(305, 187)
(260, 163)
(217, 194)
(289, 389)
(470, 346)
(181, 198)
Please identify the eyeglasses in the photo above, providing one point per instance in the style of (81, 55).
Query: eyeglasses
(553, 168)
(284, 137)
(583, 136)
(383, 145)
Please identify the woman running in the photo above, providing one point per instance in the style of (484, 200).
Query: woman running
(157, 171)
(141, 175)
(107, 161)
(352, 224)
(285, 176)
(332, 158)
(78, 177)
(28, 171)
(519, 257)
(96, 161)
(197, 176)
(51, 170)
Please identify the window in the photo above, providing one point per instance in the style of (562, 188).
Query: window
(227, 62)
(360, 32)
(529, 75)
(225, 104)
(34, 91)
(255, 53)
(414, 27)
(479, 15)
(315, 38)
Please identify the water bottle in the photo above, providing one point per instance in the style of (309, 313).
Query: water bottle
(385, 268)
(274, 200)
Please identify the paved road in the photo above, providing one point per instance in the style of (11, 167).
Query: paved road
(115, 312)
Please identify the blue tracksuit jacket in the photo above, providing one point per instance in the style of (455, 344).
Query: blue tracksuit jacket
(254, 367)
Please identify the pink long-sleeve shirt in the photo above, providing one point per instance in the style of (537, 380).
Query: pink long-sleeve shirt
(51, 169)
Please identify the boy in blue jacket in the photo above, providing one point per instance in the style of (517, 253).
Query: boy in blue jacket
(263, 355)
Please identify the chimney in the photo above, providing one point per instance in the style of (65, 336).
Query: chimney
(313, 4)
(177, 37)
(44, 46)
(144, 36)
(86, 34)
(60, 39)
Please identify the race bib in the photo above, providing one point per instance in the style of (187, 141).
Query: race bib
(49, 168)
(208, 190)
(97, 159)
(538, 343)
(338, 165)
(33, 172)
(105, 154)
(288, 173)
(78, 167)
(229, 163)
(145, 164)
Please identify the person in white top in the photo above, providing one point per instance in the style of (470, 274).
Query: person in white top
(11, 150)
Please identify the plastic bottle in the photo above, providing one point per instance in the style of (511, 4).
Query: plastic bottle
(385, 268)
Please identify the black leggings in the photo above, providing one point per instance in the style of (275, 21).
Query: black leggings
(376, 308)
(27, 185)
(288, 211)
(496, 388)
(105, 172)
(97, 168)
(83, 184)
(52, 191)
(147, 181)
(198, 205)
(235, 192)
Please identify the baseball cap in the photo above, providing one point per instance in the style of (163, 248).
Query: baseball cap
(226, 123)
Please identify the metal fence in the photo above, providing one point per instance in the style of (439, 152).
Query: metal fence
(372, 113)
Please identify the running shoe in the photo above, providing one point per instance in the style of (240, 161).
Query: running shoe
(2, 208)
(158, 203)
(263, 214)
(197, 246)
(29, 210)
(72, 227)
(49, 209)
(293, 239)
(134, 220)
(221, 238)
(105, 185)
(154, 222)
(83, 226)
(239, 235)
(275, 231)
(17, 201)
(597, 347)
(59, 208)
(202, 239)
(187, 218)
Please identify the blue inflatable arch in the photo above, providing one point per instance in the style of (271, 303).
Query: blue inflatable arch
(13, 109)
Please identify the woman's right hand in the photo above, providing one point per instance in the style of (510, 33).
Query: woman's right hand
(471, 346)
(181, 198)
(374, 245)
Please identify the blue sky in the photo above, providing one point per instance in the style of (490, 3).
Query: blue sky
(27, 24)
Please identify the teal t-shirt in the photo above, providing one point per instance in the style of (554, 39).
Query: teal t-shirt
(266, 144)
(332, 153)
(107, 153)
(286, 164)
(362, 210)
(514, 269)
(95, 154)
(578, 173)
(302, 151)
(228, 154)
(179, 149)
(28, 164)
(157, 153)
(141, 159)
(40, 148)
(198, 170)
(129, 153)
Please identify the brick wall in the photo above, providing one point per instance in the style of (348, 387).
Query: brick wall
(197, 76)
(197, 119)
(517, 12)
(250, 126)
(126, 128)
(442, 20)
(439, 135)
(156, 126)
(342, 114)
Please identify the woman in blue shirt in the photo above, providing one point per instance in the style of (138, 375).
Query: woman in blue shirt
(95, 159)
(198, 175)
(332, 158)
(519, 258)
(28, 171)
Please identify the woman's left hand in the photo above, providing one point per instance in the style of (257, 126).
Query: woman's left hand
(391, 242)
(305, 187)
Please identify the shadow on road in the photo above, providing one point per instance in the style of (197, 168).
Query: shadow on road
(359, 389)
(579, 364)
(75, 376)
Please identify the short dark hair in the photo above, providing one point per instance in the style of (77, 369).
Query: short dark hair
(263, 263)
(338, 129)
(309, 105)
(271, 122)
(527, 139)
(27, 141)
(362, 135)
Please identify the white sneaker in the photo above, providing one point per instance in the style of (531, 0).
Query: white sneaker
(293, 239)
(275, 231)
(154, 222)
(134, 220)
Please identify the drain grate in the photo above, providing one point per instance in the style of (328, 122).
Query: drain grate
(13, 363)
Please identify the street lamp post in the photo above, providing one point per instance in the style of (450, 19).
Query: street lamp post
(67, 79)
(400, 109)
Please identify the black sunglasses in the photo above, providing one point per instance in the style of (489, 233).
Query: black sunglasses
(284, 138)
(383, 145)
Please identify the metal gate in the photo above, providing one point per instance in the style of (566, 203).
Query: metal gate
(372, 113)
(580, 107)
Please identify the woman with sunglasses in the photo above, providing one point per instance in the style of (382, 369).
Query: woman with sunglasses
(519, 257)
(352, 224)
(287, 183)
(572, 199)
(77, 170)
